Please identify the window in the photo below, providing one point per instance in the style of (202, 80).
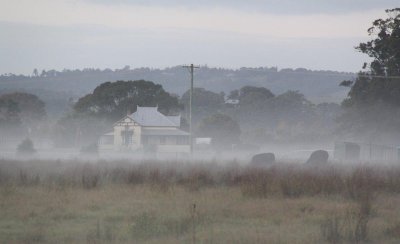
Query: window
(127, 137)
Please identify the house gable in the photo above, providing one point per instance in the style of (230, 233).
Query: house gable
(124, 121)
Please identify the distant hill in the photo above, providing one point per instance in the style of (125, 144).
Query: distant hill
(317, 86)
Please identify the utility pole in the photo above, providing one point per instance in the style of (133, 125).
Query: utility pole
(191, 70)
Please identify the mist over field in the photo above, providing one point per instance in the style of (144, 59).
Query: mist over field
(199, 122)
(269, 88)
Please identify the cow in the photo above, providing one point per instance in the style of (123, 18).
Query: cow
(319, 157)
(262, 160)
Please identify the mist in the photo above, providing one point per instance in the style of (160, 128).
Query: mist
(226, 125)
(199, 121)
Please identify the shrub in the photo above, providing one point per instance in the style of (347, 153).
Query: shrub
(26, 147)
(90, 149)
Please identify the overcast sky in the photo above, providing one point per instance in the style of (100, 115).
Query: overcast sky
(57, 34)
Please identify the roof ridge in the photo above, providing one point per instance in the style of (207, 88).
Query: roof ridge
(145, 114)
(166, 116)
(177, 125)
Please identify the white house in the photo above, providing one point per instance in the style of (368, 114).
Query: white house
(146, 130)
(232, 101)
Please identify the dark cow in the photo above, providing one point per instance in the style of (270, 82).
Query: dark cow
(319, 157)
(263, 160)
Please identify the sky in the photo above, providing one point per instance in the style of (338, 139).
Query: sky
(76, 34)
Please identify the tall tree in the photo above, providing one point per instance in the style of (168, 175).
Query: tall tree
(112, 100)
(205, 103)
(234, 94)
(9, 113)
(203, 98)
(379, 79)
(251, 94)
(374, 98)
(223, 130)
(35, 73)
(31, 108)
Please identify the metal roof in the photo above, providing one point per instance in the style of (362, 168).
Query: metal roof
(149, 116)
(175, 119)
(164, 132)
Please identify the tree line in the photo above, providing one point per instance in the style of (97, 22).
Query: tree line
(254, 114)
(313, 84)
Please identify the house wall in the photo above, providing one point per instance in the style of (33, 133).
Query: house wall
(160, 143)
(121, 126)
(165, 140)
(162, 128)
(173, 148)
(171, 140)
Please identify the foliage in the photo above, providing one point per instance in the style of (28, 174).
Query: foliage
(223, 130)
(31, 108)
(287, 117)
(26, 147)
(379, 83)
(252, 94)
(77, 130)
(203, 98)
(292, 107)
(20, 113)
(90, 149)
(234, 94)
(384, 48)
(112, 100)
(175, 79)
(205, 103)
(9, 113)
(293, 100)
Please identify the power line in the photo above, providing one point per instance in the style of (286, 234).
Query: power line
(316, 73)
(378, 76)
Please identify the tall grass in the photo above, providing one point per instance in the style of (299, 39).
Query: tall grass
(358, 183)
(357, 186)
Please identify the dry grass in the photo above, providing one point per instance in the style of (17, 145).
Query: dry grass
(152, 202)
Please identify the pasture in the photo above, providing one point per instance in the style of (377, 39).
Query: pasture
(72, 201)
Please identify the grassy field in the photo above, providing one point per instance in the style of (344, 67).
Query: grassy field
(202, 202)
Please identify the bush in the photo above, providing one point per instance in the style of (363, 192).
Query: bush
(26, 147)
(90, 149)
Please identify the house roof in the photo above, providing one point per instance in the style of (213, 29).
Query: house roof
(158, 132)
(149, 116)
(175, 119)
